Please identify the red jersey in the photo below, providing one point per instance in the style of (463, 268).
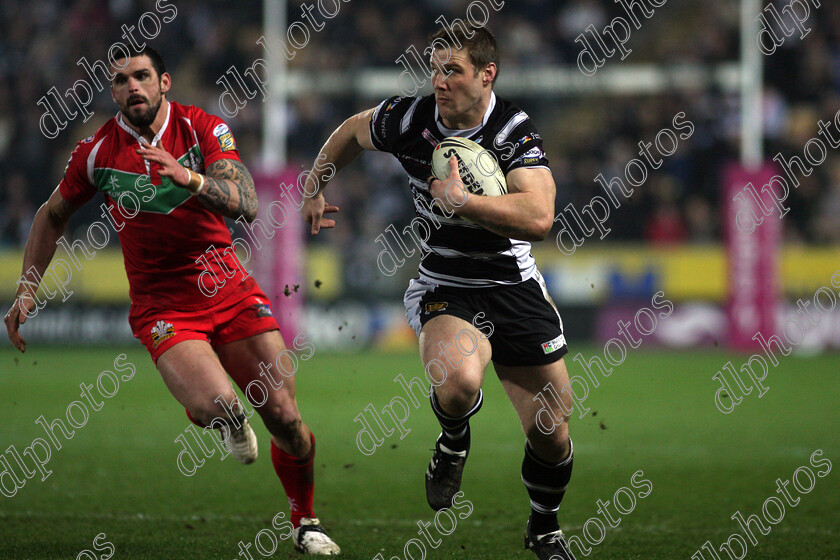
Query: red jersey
(162, 229)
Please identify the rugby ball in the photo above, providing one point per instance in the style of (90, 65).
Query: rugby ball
(478, 167)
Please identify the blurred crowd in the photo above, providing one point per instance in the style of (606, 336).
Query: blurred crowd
(41, 41)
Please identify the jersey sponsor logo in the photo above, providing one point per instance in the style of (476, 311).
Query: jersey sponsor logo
(382, 125)
(527, 138)
(393, 104)
(554, 345)
(220, 129)
(436, 306)
(530, 157)
(160, 199)
(162, 331)
(402, 156)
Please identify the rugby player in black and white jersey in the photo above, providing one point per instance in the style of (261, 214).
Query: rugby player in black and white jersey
(481, 268)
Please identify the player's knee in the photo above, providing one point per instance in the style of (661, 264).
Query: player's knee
(292, 432)
(552, 434)
(459, 393)
(550, 444)
(207, 410)
(204, 415)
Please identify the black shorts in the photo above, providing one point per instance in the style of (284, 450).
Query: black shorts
(526, 328)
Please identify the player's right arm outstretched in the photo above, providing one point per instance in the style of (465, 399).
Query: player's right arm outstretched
(342, 147)
(47, 227)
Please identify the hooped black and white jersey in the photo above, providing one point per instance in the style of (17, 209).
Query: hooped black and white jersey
(459, 253)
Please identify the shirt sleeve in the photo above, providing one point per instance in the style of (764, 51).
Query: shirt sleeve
(385, 123)
(214, 138)
(76, 186)
(523, 148)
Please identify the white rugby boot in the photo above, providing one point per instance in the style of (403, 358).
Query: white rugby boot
(310, 538)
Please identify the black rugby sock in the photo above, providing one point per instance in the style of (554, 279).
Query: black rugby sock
(456, 431)
(546, 485)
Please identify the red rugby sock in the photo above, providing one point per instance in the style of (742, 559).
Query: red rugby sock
(298, 478)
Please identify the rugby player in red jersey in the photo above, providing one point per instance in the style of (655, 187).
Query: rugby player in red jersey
(170, 174)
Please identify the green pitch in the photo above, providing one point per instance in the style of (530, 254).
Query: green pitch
(655, 413)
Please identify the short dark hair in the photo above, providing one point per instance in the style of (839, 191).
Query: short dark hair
(154, 57)
(479, 43)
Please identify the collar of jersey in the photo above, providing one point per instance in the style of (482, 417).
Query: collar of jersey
(140, 139)
(470, 131)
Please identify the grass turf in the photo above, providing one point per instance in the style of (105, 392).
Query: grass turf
(655, 413)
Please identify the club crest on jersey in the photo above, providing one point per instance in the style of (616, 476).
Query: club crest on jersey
(263, 309)
(162, 331)
(554, 345)
(195, 164)
(428, 136)
(436, 306)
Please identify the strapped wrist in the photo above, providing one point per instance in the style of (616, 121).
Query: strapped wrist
(30, 288)
(196, 183)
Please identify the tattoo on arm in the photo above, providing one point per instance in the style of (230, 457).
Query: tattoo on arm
(216, 193)
(247, 192)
